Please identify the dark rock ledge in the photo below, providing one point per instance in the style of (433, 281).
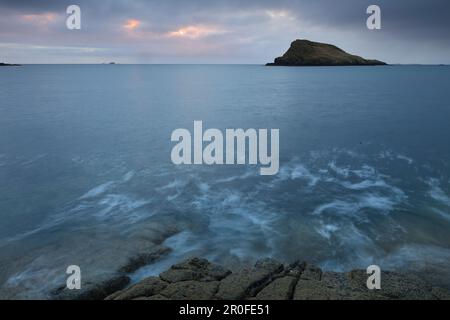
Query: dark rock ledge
(198, 279)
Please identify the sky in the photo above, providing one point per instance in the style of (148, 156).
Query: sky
(215, 31)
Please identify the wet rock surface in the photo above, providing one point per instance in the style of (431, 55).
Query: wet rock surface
(93, 291)
(107, 284)
(248, 281)
(143, 259)
(194, 269)
(199, 279)
(145, 288)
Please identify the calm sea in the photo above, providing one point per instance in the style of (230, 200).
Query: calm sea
(86, 176)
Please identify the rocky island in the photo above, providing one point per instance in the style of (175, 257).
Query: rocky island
(268, 279)
(9, 65)
(309, 53)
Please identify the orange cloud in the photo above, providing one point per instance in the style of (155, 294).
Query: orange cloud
(132, 24)
(194, 32)
(39, 19)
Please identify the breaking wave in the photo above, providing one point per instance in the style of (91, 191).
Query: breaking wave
(339, 208)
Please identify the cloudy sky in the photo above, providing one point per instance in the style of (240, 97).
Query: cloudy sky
(214, 31)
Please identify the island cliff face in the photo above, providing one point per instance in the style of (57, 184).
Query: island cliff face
(309, 53)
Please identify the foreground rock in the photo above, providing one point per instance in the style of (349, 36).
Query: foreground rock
(308, 53)
(198, 279)
(93, 290)
(248, 282)
(194, 269)
(104, 284)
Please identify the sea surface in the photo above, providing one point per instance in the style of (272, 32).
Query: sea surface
(86, 176)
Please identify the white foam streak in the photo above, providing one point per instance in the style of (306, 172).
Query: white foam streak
(95, 192)
(437, 193)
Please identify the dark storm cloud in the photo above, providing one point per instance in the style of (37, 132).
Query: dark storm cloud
(222, 31)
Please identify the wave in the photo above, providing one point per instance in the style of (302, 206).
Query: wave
(247, 174)
(327, 230)
(300, 172)
(365, 184)
(101, 203)
(405, 158)
(120, 206)
(442, 214)
(176, 184)
(33, 160)
(98, 190)
(338, 207)
(349, 248)
(344, 172)
(34, 281)
(430, 260)
(437, 193)
(297, 171)
(128, 176)
(367, 201)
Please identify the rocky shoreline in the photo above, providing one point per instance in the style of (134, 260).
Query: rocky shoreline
(268, 279)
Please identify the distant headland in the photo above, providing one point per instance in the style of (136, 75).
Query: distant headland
(9, 65)
(309, 53)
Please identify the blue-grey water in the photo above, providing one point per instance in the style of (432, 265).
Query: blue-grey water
(86, 175)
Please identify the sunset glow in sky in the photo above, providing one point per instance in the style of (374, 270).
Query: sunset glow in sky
(132, 24)
(193, 32)
(219, 31)
(40, 19)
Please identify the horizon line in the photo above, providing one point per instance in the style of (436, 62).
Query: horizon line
(212, 64)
